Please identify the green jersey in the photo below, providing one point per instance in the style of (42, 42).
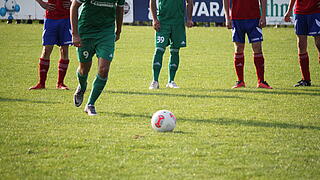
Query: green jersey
(97, 17)
(171, 11)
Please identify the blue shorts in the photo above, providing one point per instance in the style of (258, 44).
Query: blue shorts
(57, 31)
(241, 27)
(307, 24)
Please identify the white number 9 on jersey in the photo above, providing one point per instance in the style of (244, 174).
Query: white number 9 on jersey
(85, 54)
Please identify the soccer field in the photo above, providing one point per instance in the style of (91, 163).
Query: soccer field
(221, 133)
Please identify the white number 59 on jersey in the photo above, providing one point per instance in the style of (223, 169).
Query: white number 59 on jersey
(160, 39)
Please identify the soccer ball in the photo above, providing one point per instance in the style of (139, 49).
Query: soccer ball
(163, 121)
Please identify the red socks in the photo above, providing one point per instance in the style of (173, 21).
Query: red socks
(239, 65)
(43, 70)
(304, 66)
(62, 67)
(259, 63)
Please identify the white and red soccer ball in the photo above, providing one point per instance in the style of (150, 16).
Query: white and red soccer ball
(163, 121)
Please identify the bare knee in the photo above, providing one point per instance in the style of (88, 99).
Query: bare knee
(46, 51)
(64, 52)
(104, 66)
(317, 42)
(239, 47)
(104, 71)
(84, 68)
(302, 44)
(257, 47)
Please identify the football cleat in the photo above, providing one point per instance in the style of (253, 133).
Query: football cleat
(78, 96)
(154, 85)
(239, 84)
(264, 84)
(37, 86)
(172, 84)
(62, 86)
(90, 110)
(303, 83)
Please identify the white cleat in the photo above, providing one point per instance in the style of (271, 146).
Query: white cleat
(90, 110)
(154, 85)
(172, 84)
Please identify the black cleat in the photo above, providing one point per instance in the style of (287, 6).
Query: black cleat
(90, 110)
(303, 83)
(264, 84)
(239, 84)
(78, 96)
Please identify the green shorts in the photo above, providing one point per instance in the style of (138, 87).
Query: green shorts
(173, 35)
(103, 48)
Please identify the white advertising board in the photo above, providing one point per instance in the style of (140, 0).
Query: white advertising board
(276, 10)
(30, 9)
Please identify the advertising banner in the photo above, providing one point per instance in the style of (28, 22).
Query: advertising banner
(20, 9)
(138, 10)
(276, 10)
(30, 9)
(128, 12)
(212, 11)
(208, 11)
(141, 10)
(203, 11)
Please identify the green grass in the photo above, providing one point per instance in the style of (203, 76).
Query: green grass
(221, 133)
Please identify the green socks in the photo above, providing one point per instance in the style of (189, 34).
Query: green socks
(157, 63)
(82, 81)
(173, 64)
(98, 84)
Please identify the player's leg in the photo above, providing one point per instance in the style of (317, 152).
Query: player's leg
(63, 67)
(173, 67)
(161, 42)
(259, 64)
(302, 43)
(178, 40)
(314, 29)
(317, 42)
(82, 76)
(65, 40)
(43, 67)
(85, 54)
(105, 51)
(98, 84)
(238, 37)
(255, 38)
(239, 64)
(156, 67)
(49, 39)
(301, 29)
(258, 60)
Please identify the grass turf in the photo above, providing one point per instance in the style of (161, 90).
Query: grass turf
(221, 133)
